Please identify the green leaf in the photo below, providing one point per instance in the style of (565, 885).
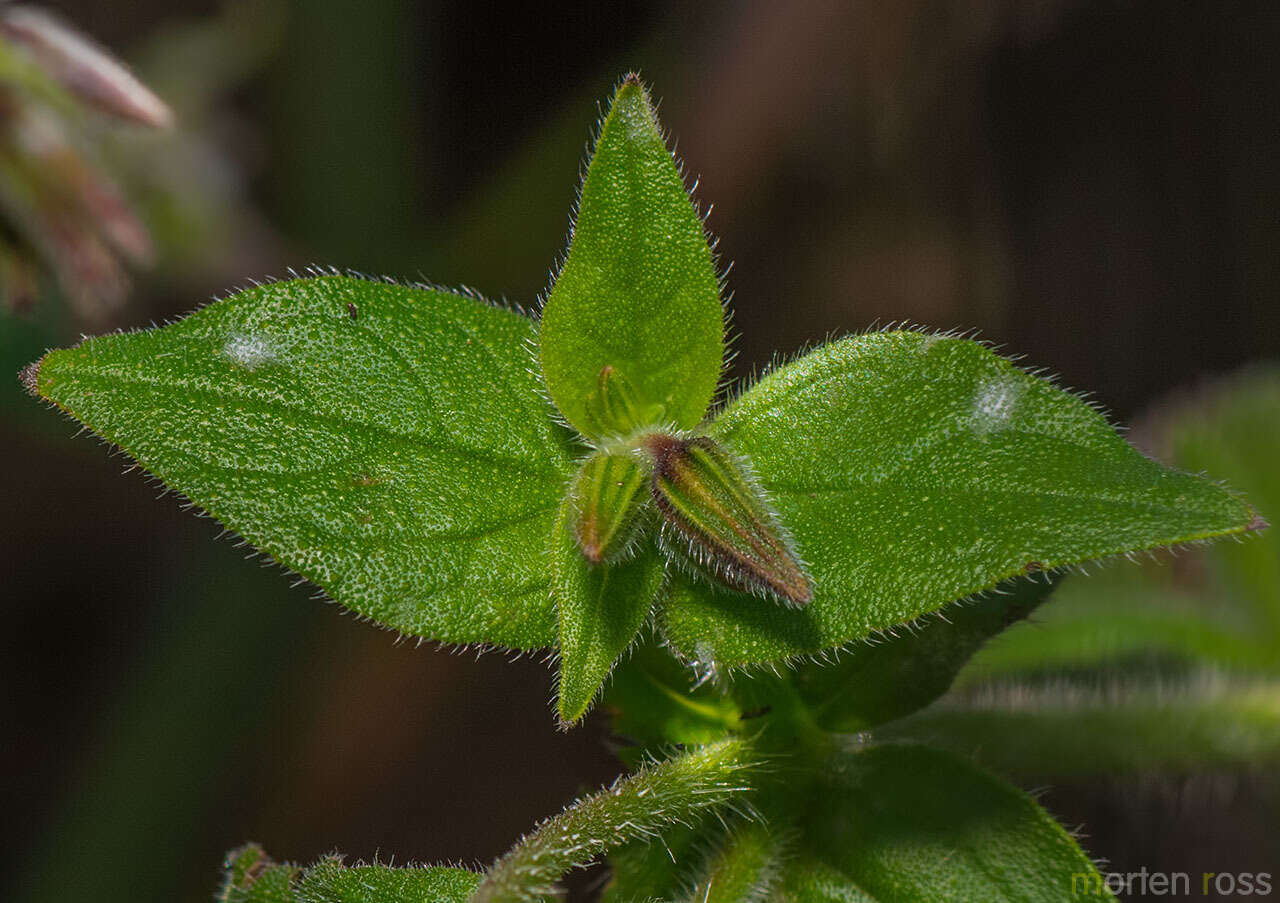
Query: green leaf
(1124, 614)
(331, 882)
(1035, 733)
(386, 442)
(1214, 607)
(672, 792)
(638, 292)
(655, 700)
(905, 823)
(913, 470)
(601, 607)
(1233, 433)
(743, 867)
(645, 871)
(253, 878)
(872, 684)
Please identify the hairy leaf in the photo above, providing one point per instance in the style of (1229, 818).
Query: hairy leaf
(1213, 607)
(673, 792)
(638, 292)
(647, 870)
(909, 824)
(600, 607)
(386, 442)
(913, 470)
(253, 878)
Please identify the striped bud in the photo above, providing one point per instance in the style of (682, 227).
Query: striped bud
(707, 498)
(614, 407)
(610, 500)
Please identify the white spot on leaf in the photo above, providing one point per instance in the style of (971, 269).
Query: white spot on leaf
(249, 351)
(994, 404)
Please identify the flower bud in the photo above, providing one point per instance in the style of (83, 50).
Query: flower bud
(609, 499)
(85, 70)
(708, 499)
(614, 407)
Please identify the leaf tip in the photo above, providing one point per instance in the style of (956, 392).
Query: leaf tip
(631, 79)
(29, 376)
(1258, 523)
(570, 710)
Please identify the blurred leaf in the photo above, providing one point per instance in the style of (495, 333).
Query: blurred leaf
(913, 470)
(1233, 433)
(600, 608)
(902, 823)
(638, 291)
(743, 867)
(902, 672)
(253, 878)
(639, 806)
(1122, 614)
(655, 700)
(386, 442)
(1063, 731)
(645, 870)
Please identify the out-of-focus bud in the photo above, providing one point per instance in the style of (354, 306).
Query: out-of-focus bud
(708, 499)
(60, 204)
(83, 68)
(47, 190)
(610, 500)
(614, 407)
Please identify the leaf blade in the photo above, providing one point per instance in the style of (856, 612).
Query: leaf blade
(913, 470)
(383, 441)
(638, 292)
(600, 609)
(901, 823)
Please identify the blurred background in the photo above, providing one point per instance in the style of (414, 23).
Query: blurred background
(1091, 184)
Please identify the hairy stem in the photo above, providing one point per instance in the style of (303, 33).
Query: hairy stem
(638, 806)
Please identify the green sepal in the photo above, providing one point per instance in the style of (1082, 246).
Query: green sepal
(720, 520)
(610, 498)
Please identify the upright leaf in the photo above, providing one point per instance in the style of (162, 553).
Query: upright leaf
(600, 608)
(913, 470)
(638, 292)
(383, 441)
(1233, 432)
(909, 824)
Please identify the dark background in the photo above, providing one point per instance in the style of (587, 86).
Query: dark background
(1092, 184)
